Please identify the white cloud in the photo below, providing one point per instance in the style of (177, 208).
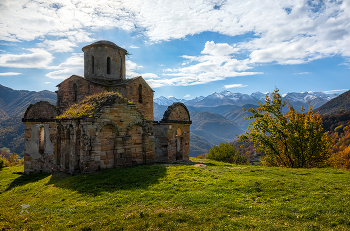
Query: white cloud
(186, 96)
(131, 69)
(302, 73)
(62, 45)
(234, 85)
(335, 91)
(208, 68)
(47, 82)
(133, 47)
(299, 35)
(150, 76)
(38, 58)
(72, 66)
(9, 73)
(218, 49)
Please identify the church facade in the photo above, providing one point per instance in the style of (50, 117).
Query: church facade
(117, 127)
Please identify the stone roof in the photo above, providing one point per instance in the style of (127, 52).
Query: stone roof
(170, 109)
(92, 105)
(103, 43)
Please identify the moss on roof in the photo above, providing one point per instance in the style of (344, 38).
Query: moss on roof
(91, 105)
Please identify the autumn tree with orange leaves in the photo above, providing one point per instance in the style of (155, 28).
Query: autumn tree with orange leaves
(293, 139)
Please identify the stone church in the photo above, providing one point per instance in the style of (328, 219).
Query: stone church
(118, 130)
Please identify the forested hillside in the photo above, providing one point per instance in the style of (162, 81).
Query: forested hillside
(13, 104)
(336, 105)
(213, 127)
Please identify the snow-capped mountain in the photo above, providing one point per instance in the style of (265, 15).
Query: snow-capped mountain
(308, 96)
(260, 96)
(163, 101)
(316, 99)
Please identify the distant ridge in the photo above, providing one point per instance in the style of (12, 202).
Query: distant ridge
(316, 99)
(336, 104)
(13, 104)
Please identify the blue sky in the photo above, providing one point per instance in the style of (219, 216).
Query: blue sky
(182, 48)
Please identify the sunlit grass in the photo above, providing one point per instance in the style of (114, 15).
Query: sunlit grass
(219, 196)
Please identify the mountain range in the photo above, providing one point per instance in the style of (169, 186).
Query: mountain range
(316, 99)
(216, 118)
(13, 103)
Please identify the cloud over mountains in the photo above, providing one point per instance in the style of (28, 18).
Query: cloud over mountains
(283, 32)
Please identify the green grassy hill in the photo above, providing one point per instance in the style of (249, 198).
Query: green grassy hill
(217, 196)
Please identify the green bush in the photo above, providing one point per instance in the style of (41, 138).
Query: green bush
(339, 129)
(3, 162)
(8, 159)
(226, 153)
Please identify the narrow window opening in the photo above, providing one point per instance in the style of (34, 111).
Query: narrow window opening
(67, 151)
(93, 64)
(41, 140)
(140, 93)
(108, 65)
(58, 157)
(75, 92)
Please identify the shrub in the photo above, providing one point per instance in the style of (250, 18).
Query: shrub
(8, 159)
(201, 156)
(294, 140)
(339, 129)
(226, 153)
(341, 159)
(3, 162)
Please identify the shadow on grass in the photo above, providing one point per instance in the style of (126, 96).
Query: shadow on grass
(26, 179)
(111, 179)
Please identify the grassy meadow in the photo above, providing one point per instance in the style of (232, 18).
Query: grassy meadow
(198, 196)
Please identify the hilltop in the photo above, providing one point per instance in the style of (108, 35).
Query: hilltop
(200, 195)
(335, 105)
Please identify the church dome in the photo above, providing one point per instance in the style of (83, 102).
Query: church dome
(104, 60)
(103, 43)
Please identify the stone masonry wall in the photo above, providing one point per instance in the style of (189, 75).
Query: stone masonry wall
(119, 136)
(36, 160)
(173, 134)
(133, 94)
(99, 71)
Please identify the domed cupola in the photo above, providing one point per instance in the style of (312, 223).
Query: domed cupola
(104, 60)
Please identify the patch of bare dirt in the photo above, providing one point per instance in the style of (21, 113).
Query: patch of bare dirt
(199, 165)
(245, 169)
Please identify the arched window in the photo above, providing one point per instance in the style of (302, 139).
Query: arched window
(41, 140)
(75, 92)
(140, 93)
(108, 65)
(93, 64)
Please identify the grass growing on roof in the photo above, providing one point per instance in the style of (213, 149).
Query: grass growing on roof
(91, 105)
(218, 196)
